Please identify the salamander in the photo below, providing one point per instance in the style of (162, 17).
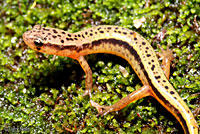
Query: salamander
(124, 43)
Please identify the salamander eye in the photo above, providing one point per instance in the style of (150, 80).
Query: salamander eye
(38, 42)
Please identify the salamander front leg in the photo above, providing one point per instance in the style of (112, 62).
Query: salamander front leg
(167, 57)
(136, 95)
(88, 72)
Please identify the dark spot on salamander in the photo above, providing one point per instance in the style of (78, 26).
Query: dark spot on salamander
(119, 32)
(164, 80)
(143, 43)
(86, 33)
(62, 41)
(59, 35)
(147, 47)
(83, 36)
(91, 34)
(101, 31)
(79, 35)
(55, 31)
(166, 87)
(75, 38)
(152, 67)
(69, 39)
(54, 36)
(108, 28)
(135, 38)
(171, 92)
(148, 55)
(157, 77)
(124, 33)
(45, 29)
(63, 32)
(49, 33)
(69, 35)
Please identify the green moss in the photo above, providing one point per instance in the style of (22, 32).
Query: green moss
(42, 94)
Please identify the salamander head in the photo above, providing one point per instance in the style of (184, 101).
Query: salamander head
(35, 38)
(50, 41)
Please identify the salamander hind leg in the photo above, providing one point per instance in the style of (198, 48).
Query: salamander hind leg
(136, 95)
(167, 57)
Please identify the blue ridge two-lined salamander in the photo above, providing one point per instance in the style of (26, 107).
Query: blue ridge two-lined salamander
(124, 43)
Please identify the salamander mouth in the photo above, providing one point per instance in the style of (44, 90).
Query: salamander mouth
(28, 39)
(25, 38)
